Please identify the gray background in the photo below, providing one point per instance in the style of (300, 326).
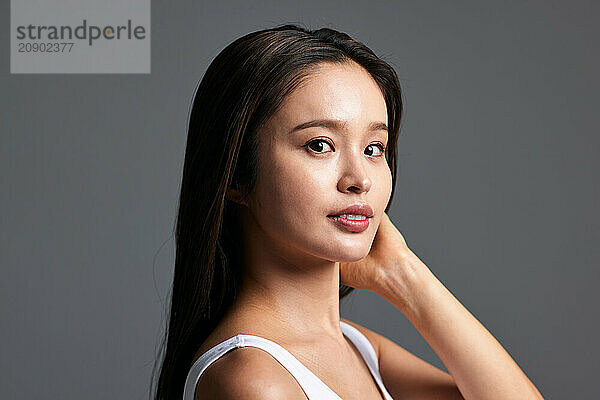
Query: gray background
(497, 192)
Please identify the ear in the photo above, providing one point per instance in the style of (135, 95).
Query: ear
(235, 195)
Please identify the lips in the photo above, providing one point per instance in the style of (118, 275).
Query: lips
(354, 218)
(355, 209)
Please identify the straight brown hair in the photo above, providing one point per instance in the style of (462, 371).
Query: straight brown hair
(244, 85)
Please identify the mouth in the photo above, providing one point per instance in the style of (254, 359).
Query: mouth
(354, 211)
(350, 222)
(353, 219)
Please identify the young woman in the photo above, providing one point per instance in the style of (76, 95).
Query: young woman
(289, 171)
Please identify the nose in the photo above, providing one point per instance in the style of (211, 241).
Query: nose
(354, 175)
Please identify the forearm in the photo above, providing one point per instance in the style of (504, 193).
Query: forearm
(479, 365)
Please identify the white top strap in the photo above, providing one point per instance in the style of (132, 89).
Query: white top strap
(367, 351)
(310, 383)
(313, 387)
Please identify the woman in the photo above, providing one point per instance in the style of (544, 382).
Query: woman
(289, 171)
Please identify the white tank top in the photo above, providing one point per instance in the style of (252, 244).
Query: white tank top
(314, 388)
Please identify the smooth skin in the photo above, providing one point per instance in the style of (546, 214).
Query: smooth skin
(296, 258)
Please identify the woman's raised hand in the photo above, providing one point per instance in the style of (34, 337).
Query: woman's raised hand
(388, 252)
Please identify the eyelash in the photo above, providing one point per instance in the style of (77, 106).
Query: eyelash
(380, 145)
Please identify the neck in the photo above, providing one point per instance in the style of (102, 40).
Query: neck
(298, 293)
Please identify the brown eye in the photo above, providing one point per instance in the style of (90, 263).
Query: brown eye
(381, 149)
(318, 145)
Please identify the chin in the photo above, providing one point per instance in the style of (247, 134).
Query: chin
(349, 253)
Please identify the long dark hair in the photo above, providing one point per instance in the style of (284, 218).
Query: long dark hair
(243, 86)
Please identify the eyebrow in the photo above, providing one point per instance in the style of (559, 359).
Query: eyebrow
(336, 124)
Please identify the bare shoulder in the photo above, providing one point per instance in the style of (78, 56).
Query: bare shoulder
(247, 373)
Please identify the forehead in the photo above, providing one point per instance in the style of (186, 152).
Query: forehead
(338, 91)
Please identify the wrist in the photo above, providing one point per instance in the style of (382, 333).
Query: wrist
(406, 284)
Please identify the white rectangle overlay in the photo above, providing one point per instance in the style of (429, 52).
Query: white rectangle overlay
(80, 36)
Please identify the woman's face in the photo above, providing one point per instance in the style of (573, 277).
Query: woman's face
(307, 174)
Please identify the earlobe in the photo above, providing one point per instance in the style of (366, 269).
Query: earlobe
(235, 195)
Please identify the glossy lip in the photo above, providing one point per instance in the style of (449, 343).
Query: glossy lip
(350, 224)
(356, 209)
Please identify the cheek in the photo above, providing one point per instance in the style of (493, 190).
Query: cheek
(387, 191)
(384, 190)
(291, 192)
